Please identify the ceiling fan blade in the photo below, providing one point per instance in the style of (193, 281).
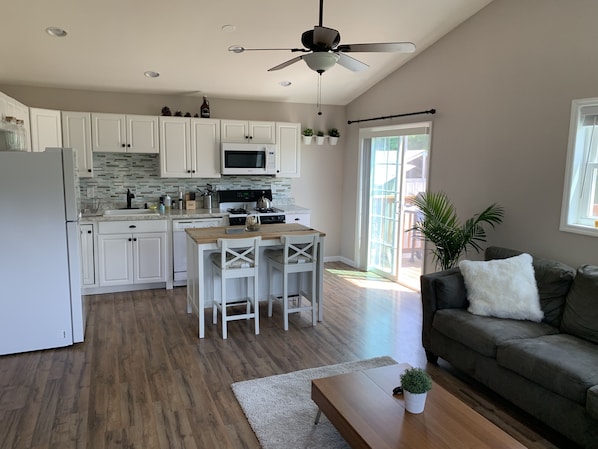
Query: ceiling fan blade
(403, 47)
(286, 63)
(241, 49)
(351, 63)
(326, 38)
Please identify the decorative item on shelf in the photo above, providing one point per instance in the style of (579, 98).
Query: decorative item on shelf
(438, 222)
(196, 115)
(178, 114)
(416, 383)
(205, 108)
(307, 135)
(166, 112)
(187, 114)
(333, 136)
(320, 138)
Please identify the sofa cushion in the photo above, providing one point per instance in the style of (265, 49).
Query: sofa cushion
(592, 402)
(483, 334)
(453, 288)
(561, 363)
(580, 317)
(552, 277)
(504, 288)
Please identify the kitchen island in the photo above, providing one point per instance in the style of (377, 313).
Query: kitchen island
(203, 241)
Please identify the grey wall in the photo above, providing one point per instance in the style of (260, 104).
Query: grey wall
(319, 187)
(502, 83)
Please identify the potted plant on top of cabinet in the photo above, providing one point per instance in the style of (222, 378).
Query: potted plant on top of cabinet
(307, 135)
(333, 136)
(320, 138)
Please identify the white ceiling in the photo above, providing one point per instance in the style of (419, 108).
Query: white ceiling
(112, 42)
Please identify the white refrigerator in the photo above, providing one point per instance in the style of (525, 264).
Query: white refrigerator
(41, 305)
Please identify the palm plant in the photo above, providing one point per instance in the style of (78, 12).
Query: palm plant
(440, 225)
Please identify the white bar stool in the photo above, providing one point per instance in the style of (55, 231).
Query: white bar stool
(238, 258)
(299, 255)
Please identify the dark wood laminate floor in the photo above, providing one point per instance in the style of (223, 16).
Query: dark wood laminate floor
(143, 379)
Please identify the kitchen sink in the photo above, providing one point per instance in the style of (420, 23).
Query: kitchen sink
(128, 212)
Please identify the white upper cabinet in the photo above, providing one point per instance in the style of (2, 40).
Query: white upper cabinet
(9, 107)
(288, 160)
(245, 132)
(205, 147)
(46, 129)
(118, 133)
(189, 147)
(76, 134)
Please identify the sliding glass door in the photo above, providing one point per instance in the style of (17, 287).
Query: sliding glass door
(396, 165)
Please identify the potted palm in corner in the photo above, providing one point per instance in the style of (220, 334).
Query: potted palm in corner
(416, 383)
(307, 135)
(333, 136)
(440, 225)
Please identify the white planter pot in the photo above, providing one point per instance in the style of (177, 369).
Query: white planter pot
(307, 139)
(320, 140)
(414, 403)
(333, 140)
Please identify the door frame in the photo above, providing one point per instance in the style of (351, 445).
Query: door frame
(363, 182)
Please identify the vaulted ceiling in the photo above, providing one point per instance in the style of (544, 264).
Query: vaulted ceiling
(111, 43)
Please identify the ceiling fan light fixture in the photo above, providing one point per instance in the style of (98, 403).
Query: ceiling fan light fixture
(320, 61)
(56, 32)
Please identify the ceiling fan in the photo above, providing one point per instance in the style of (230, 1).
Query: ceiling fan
(323, 51)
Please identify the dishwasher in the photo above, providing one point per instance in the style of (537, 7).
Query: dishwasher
(179, 244)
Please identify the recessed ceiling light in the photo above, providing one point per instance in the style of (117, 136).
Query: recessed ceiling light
(151, 74)
(236, 49)
(56, 32)
(229, 28)
(285, 83)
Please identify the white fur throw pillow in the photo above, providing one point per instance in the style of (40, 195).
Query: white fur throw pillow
(503, 288)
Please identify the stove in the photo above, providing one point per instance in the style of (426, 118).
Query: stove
(240, 203)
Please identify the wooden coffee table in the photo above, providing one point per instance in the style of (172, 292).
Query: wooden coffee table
(362, 408)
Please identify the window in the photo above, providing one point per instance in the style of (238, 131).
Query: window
(580, 197)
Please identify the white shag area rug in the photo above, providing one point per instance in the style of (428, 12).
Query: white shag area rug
(280, 410)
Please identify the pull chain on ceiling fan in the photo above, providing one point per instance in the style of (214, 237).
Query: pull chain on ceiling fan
(323, 51)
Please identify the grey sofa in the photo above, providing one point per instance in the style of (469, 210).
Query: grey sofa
(549, 369)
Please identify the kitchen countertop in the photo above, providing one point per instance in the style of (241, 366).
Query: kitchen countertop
(173, 214)
(177, 214)
(266, 232)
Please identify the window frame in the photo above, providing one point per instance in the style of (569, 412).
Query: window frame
(578, 197)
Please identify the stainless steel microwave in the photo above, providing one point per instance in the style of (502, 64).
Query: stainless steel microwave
(248, 159)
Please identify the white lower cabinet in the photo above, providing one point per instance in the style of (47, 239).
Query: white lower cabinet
(88, 274)
(132, 252)
(303, 218)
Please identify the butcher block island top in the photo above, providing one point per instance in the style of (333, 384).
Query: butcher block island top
(266, 232)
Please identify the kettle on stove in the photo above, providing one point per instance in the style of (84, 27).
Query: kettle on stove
(263, 202)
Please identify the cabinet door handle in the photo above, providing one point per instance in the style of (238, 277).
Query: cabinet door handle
(123, 145)
(130, 239)
(135, 239)
(89, 170)
(128, 145)
(89, 232)
(132, 226)
(297, 219)
(192, 171)
(188, 171)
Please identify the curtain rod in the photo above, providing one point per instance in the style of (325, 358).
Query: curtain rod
(430, 111)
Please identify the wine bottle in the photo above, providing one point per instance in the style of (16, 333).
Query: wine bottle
(205, 108)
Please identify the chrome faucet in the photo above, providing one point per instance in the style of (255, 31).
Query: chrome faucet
(130, 196)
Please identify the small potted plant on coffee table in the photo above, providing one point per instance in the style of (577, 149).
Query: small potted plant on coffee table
(307, 135)
(333, 136)
(416, 383)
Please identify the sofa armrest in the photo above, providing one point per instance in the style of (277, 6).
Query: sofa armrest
(592, 402)
(440, 290)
